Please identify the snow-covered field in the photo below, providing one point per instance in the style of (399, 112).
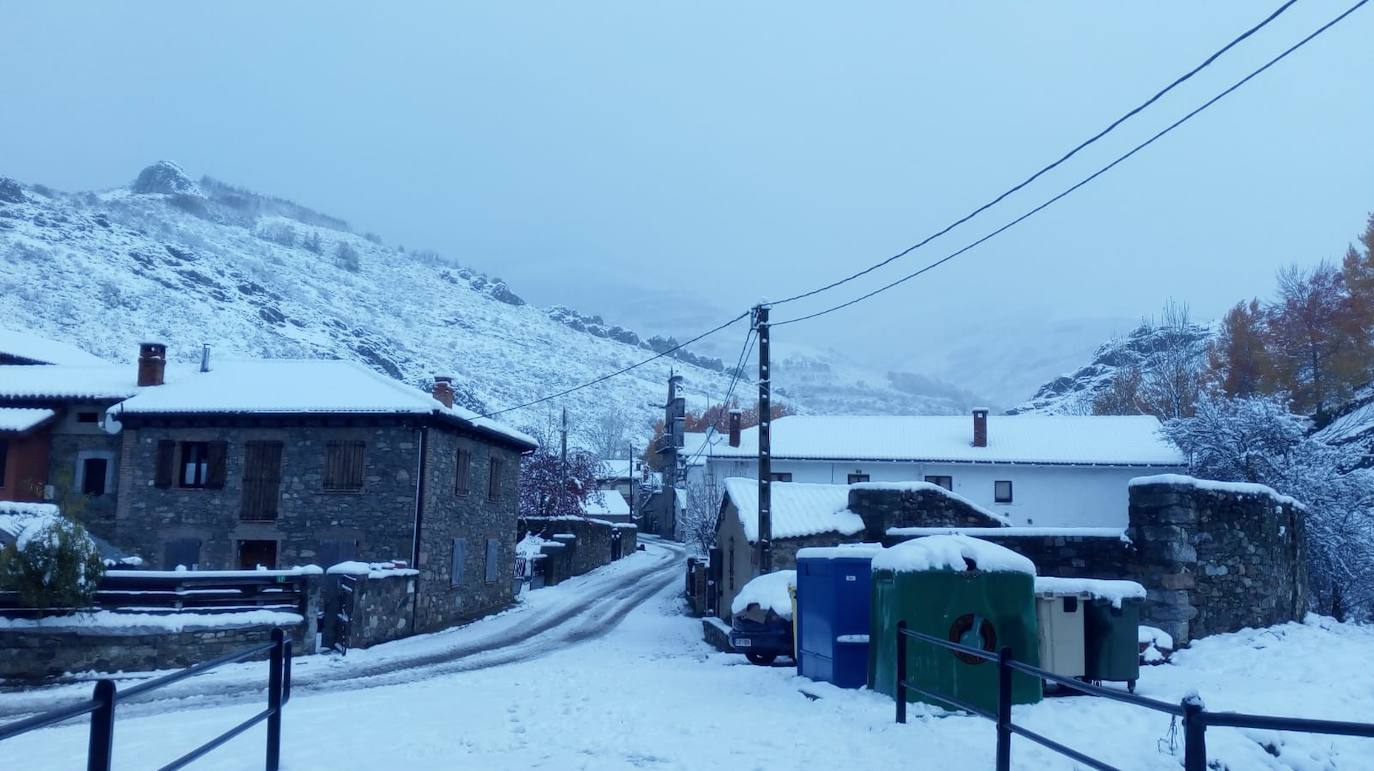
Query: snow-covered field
(650, 694)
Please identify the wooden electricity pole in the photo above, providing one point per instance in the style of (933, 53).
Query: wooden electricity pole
(765, 445)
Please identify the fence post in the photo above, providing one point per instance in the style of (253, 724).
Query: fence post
(1194, 734)
(901, 672)
(1003, 709)
(100, 751)
(286, 673)
(274, 689)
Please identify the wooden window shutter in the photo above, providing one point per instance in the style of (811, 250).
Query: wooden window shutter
(493, 560)
(166, 450)
(215, 455)
(460, 549)
(261, 480)
(463, 471)
(494, 480)
(343, 465)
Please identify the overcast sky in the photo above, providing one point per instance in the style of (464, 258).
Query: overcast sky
(666, 165)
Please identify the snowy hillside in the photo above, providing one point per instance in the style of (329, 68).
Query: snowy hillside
(828, 383)
(1073, 393)
(186, 262)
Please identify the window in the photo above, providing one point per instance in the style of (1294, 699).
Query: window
(184, 552)
(4, 457)
(87, 417)
(493, 560)
(780, 476)
(1001, 491)
(202, 464)
(462, 474)
(854, 478)
(255, 554)
(343, 465)
(261, 480)
(93, 473)
(945, 482)
(494, 480)
(459, 563)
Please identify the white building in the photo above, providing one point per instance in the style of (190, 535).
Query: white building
(1054, 470)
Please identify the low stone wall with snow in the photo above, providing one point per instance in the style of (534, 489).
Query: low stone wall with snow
(885, 505)
(591, 546)
(382, 608)
(37, 649)
(1217, 557)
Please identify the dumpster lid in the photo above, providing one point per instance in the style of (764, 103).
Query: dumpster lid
(843, 551)
(951, 552)
(1097, 588)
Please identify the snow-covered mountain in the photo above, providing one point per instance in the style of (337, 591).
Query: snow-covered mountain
(824, 381)
(1073, 393)
(190, 262)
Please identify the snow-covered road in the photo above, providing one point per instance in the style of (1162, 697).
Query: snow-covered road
(649, 694)
(545, 621)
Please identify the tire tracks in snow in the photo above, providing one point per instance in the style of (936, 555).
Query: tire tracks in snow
(592, 612)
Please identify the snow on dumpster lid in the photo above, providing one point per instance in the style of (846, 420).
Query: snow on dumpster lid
(768, 591)
(951, 552)
(843, 551)
(1096, 588)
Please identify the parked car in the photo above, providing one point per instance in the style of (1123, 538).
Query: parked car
(761, 618)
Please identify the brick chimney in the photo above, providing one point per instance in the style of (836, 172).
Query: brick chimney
(734, 428)
(152, 364)
(980, 427)
(443, 389)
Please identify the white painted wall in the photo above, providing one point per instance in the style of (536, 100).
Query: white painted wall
(1067, 496)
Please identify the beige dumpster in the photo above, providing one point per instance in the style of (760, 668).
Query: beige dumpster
(1059, 606)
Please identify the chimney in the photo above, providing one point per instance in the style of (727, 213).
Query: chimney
(734, 428)
(205, 358)
(152, 364)
(443, 389)
(980, 427)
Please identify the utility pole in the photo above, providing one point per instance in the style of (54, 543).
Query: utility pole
(563, 449)
(765, 444)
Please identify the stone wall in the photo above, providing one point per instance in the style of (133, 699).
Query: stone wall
(913, 504)
(383, 609)
(46, 652)
(1217, 558)
(591, 545)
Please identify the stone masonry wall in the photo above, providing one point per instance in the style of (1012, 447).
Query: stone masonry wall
(591, 547)
(884, 507)
(383, 610)
(379, 519)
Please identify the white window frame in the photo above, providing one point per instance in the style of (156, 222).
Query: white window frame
(79, 478)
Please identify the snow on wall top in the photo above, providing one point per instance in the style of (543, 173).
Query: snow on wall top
(931, 487)
(612, 504)
(769, 591)
(799, 509)
(1211, 485)
(951, 552)
(294, 386)
(1109, 440)
(22, 418)
(30, 347)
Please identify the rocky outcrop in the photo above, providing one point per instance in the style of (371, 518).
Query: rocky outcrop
(167, 178)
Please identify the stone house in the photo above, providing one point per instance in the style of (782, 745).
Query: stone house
(276, 463)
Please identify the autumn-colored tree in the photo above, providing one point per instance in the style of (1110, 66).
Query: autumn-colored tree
(1315, 358)
(1239, 357)
(717, 416)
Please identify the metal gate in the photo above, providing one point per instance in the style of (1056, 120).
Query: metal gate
(343, 618)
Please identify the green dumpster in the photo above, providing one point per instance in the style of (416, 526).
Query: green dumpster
(1111, 640)
(960, 589)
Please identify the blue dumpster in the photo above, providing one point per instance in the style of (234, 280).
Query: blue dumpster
(834, 595)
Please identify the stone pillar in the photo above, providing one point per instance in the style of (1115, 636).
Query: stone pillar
(1163, 525)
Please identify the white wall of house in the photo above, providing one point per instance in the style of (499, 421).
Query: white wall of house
(1060, 496)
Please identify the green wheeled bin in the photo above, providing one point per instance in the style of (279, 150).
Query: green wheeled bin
(1111, 640)
(960, 589)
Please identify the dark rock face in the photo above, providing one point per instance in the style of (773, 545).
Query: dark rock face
(165, 177)
(10, 192)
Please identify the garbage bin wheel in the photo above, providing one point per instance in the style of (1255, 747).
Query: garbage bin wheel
(1130, 686)
(762, 659)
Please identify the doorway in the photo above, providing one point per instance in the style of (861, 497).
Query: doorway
(255, 553)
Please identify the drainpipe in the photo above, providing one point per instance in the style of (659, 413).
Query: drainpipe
(420, 463)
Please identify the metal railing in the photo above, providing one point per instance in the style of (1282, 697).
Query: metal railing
(101, 708)
(1196, 719)
(167, 591)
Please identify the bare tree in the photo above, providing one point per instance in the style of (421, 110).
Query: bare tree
(701, 517)
(608, 434)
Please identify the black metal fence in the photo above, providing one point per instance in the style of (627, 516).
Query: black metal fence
(159, 592)
(101, 708)
(1196, 719)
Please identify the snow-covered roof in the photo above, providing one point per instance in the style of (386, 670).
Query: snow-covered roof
(20, 419)
(32, 348)
(799, 509)
(612, 505)
(768, 591)
(1211, 485)
(692, 450)
(106, 381)
(951, 552)
(1107, 440)
(296, 386)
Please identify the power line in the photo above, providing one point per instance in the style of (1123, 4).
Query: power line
(1086, 180)
(734, 381)
(621, 371)
(1048, 168)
